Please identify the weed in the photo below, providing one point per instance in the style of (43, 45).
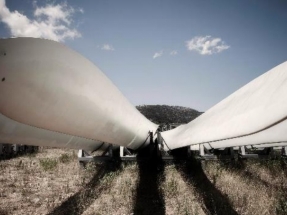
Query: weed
(65, 158)
(172, 187)
(48, 164)
(30, 155)
(108, 177)
(74, 155)
(90, 168)
(281, 206)
(273, 165)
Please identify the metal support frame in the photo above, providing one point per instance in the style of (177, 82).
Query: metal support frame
(146, 152)
(178, 154)
(216, 154)
(205, 154)
(126, 154)
(242, 154)
(29, 149)
(8, 150)
(12, 150)
(284, 151)
(226, 154)
(263, 154)
(160, 141)
(154, 149)
(160, 144)
(231, 153)
(84, 157)
(16, 148)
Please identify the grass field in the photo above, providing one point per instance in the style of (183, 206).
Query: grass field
(51, 182)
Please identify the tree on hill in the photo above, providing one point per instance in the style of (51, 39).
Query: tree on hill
(164, 114)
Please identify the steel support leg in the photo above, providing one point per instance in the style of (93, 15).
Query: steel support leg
(206, 156)
(284, 151)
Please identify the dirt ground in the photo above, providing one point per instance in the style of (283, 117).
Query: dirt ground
(51, 182)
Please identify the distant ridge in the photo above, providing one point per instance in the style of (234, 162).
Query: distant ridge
(162, 114)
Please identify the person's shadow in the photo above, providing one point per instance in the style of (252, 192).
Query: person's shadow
(81, 200)
(149, 197)
(214, 201)
(240, 167)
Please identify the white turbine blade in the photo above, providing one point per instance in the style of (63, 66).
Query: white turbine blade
(46, 85)
(274, 134)
(18, 133)
(253, 109)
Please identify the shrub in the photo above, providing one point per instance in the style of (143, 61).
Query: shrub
(48, 164)
(65, 158)
(281, 207)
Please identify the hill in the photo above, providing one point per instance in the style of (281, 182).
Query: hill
(162, 114)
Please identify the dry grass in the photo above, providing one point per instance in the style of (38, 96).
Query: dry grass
(29, 186)
(51, 182)
(180, 196)
(118, 197)
(245, 194)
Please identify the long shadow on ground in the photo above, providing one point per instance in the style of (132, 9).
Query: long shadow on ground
(276, 165)
(80, 201)
(214, 201)
(2, 212)
(240, 167)
(149, 196)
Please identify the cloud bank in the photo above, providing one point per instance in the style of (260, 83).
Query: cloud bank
(206, 45)
(50, 22)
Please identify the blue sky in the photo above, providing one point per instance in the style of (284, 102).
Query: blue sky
(142, 45)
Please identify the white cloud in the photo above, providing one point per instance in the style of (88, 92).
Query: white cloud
(206, 45)
(157, 54)
(81, 10)
(174, 52)
(50, 22)
(107, 47)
